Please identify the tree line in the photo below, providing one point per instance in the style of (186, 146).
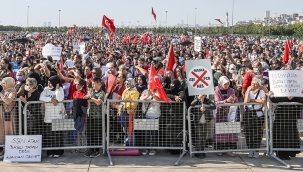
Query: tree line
(294, 30)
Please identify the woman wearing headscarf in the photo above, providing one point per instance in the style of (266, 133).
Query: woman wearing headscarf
(224, 94)
(126, 110)
(7, 110)
(253, 116)
(52, 96)
(141, 83)
(285, 130)
(173, 115)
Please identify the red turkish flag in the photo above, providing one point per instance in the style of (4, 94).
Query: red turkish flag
(142, 39)
(155, 84)
(135, 40)
(61, 64)
(148, 38)
(171, 64)
(287, 50)
(154, 14)
(108, 23)
(220, 44)
(80, 39)
(219, 21)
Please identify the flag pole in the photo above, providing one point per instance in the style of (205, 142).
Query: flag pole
(151, 18)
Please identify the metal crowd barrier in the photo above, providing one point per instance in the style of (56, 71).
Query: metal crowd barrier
(57, 129)
(10, 120)
(221, 131)
(286, 127)
(147, 132)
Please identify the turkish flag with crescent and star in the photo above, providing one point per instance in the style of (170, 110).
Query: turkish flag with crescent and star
(171, 63)
(108, 23)
(155, 84)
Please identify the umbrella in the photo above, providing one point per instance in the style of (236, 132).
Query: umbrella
(186, 42)
(249, 43)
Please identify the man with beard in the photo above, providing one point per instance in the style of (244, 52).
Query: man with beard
(17, 64)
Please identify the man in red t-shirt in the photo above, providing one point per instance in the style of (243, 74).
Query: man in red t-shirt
(247, 79)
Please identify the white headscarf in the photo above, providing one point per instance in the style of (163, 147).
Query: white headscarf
(223, 80)
(132, 83)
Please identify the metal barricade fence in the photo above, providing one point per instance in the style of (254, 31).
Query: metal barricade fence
(161, 127)
(56, 124)
(225, 129)
(286, 127)
(10, 120)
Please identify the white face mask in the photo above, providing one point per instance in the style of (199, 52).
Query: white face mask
(50, 88)
(257, 71)
(27, 88)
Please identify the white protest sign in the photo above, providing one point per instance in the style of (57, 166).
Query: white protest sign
(199, 77)
(284, 83)
(26, 148)
(175, 41)
(80, 47)
(189, 33)
(197, 43)
(51, 50)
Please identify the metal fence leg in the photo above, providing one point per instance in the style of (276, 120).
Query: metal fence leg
(177, 163)
(109, 157)
(280, 160)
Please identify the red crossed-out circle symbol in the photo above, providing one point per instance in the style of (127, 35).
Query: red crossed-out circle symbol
(200, 77)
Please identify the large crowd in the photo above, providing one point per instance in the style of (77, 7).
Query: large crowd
(119, 69)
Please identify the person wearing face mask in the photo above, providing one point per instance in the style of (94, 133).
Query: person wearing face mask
(31, 94)
(232, 75)
(53, 95)
(224, 94)
(7, 112)
(20, 82)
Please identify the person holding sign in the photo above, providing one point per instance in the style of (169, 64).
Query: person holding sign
(7, 112)
(285, 131)
(253, 116)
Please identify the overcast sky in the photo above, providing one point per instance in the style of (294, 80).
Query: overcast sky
(90, 12)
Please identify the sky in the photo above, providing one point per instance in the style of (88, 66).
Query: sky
(134, 12)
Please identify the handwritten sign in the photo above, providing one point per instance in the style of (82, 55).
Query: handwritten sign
(286, 83)
(197, 43)
(23, 148)
(51, 50)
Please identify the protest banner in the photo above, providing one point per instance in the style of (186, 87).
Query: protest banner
(51, 50)
(284, 83)
(26, 148)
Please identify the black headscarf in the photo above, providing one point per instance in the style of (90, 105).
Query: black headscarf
(166, 80)
(54, 80)
(35, 76)
(176, 88)
(142, 87)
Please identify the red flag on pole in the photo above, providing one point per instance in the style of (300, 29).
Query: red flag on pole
(61, 64)
(220, 44)
(219, 21)
(155, 84)
(171, 64)
(80, 39)
(287, 50)
(108, 23)
(154, 14)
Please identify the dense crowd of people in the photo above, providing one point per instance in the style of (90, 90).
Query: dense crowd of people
(118, 69)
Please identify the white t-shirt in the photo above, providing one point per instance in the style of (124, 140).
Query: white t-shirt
(252, 96)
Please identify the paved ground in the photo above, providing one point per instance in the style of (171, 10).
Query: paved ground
(162, 161)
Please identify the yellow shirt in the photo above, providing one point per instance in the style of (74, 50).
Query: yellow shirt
(129, 95)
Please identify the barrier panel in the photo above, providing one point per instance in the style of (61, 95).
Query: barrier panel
(56, 124)
(10, 120)
(222, 130)
(286, 127)
(161, 127)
